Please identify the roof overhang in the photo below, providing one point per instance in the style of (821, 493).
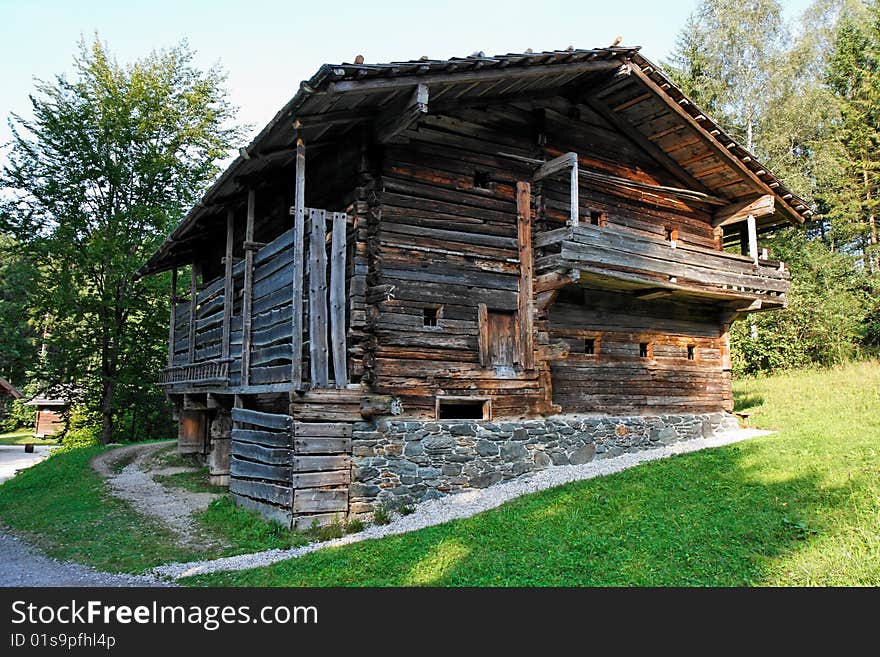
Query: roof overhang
(340, 98)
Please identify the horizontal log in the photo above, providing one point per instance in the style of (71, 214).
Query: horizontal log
(318, 479)
(322, 445)
(322, 429)
(261, 419)
(275, 513)
(261, 454)
(319, 463)
(264, 438)
(258, 490)
(250, 470)
(320, 500)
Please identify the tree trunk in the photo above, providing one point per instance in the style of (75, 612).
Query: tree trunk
(107, 411)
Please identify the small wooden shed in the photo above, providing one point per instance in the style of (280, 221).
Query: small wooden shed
(50, 414)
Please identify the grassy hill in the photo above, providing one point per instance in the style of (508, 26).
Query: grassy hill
(799, 507)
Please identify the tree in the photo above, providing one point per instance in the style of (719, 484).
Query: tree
(725, 57)
(853, 76)
(105, 168)
(18, 350)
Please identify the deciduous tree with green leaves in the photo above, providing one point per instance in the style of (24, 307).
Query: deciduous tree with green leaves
(106, 166)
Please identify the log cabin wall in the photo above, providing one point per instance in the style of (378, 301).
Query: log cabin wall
(607, 369)
(444, 243)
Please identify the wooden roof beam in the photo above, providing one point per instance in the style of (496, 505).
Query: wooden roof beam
(384, 84)
(711, 141)
(736, 212)
(390, 126)
(634, 135)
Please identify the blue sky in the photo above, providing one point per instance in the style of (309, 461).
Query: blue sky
(268, 46)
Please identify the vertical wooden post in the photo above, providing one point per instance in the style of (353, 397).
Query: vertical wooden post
(193, 300)
(299, 222)
(483, 325)
(228, 292)
(173, 317)
(753, 238)
(337, 300)
(526, 304)
(248, 291)
(318, 298)
(574, 200)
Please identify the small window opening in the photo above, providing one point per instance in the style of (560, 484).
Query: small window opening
(461, 409)
(590, 346)
(671, 234)
(431, 317)
(481, 180)
(645, 349)
(692, 352)
(597, 218)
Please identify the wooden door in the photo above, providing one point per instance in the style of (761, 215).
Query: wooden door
(502, 338)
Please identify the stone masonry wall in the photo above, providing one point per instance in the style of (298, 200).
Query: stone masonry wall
(399, 462)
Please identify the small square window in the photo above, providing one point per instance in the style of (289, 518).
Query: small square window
(645, 349)
(597, 218)
(692, 352)
(431, 317)
(590, 346)
(671, 234)
(481, 180)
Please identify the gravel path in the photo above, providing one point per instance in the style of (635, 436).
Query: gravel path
(136, 485)
(461, 505)
(23, 565)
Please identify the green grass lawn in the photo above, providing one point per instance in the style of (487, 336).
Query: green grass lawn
(799, 507)
(23, 437)
(64, 507)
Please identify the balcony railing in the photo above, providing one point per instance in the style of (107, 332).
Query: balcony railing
(211, 372)
(646, 263)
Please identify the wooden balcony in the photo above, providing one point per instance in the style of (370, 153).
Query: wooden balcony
(207, 373)
(616, 258)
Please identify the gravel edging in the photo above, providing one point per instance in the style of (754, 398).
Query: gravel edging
(461, 505)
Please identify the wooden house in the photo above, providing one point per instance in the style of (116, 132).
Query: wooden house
(432, 275)
(51, 411)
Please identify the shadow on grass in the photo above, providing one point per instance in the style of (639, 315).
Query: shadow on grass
(743, 401)
(698, 519)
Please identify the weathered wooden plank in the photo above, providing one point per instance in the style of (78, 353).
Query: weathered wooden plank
(525, 308)
(318, 300)
(173, 319)
(193, 294)
(265, 455)
(483, 320)
(316, 479)
(269, 374)
(251, 470)
(321, 445)
(299, 222)
(276, 513)
(319, 429)
(259, 490)
(264, 438)
(320, 500)
(266, 355)
(261, 419)
(760, 207)
(247, 294)
(337, 300)
(319, 463)
(393, 123)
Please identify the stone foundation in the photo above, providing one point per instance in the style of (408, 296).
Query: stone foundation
(407, 461)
